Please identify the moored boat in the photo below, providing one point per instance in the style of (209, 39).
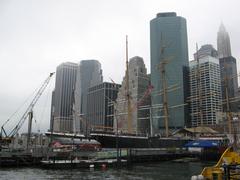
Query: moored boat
(112, 140)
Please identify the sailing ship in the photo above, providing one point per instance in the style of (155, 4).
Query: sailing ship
(128, 139)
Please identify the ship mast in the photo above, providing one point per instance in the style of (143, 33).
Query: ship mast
(164, 94)
(165, 103)
(129, 113)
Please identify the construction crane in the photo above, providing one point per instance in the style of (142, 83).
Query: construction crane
(143, 98)
(7, 137)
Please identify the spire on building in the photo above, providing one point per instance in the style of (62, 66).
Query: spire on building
(223, 42)
(222, 27)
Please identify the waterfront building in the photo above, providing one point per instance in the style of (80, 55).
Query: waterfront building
(139, 96)
(223, 43)
(100, 106)
(169, 52)
(89, 73)
(63, 97)
(205, 90)
(228, 67)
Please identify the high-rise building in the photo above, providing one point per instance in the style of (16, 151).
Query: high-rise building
(205, 91)
(100, 106)
(223, 43)
(228, 67)
(229, 81)
(139, 94)
(63, 97)
(169, 55)
(89, 73)
(206, 50)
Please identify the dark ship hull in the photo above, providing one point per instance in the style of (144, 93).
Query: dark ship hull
(110, 140)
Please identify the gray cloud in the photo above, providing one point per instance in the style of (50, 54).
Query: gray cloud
(36, 36)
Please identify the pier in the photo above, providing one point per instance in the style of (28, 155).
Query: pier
(84, 159)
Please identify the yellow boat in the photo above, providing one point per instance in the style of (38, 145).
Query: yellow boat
(227, 168)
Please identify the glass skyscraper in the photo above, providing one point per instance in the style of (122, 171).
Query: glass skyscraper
(169, 48)
(100, 106)
(89, 73)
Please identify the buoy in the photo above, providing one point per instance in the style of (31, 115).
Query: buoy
(103, 166)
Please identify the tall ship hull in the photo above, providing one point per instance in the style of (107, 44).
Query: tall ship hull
(111, 140)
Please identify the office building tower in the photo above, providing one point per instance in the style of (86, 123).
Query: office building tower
(169, 71)
(228, 67)
(139, 95)
(63, 97)
(205, 91)
(229, 77)
(223, 43)
(89, 73)
(100, 106)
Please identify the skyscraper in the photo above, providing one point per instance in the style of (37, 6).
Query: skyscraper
(169, 54)
(100, 106)
(205, 90)
(63, 97)
(223, 43)
(138, 91)
(228, 67)
(89, 73)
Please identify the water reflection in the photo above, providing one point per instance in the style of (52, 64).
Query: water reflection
(160, 171)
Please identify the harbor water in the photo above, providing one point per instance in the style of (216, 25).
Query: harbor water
(145, 171)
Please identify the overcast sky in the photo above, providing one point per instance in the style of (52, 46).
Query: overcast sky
(38, 35)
